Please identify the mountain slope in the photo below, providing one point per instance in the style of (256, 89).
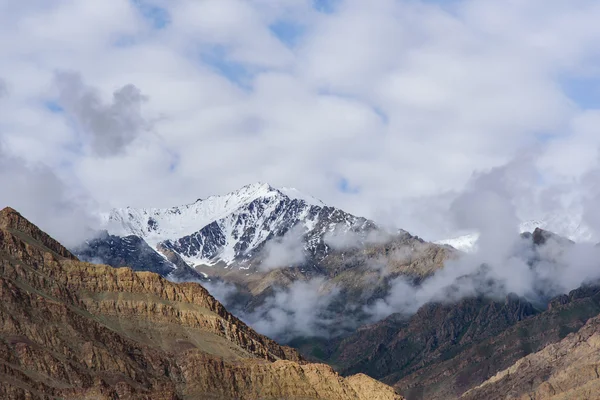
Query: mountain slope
(71, 329)
(561, 371)
(132, 251)
(446, 349)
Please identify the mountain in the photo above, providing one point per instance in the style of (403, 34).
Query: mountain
(132, 251)
(262, 239)
(71, 329)
(444, 350)
(568, 225)
(234, 228)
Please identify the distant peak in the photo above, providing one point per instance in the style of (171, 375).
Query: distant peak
(259, 189)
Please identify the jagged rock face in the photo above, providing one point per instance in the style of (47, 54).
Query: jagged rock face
(131, 251)
(233, 229)
(541, 237)
(70, 329)
(565, 370)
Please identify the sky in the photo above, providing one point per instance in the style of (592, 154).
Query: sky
(384, 108)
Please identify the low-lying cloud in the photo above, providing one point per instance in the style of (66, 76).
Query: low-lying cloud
(222, 291)
(302, 309)
(343, 237)
(285, 251)
(504, 263)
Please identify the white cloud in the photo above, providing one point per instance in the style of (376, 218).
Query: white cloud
(402, 99)
(111, 128)
(343, 238)
(299, 310)
(42, 197)
(285, 251)
(503, 263)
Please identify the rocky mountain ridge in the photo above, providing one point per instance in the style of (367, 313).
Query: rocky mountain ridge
(564, 370)
(234, 228)
(71, 329)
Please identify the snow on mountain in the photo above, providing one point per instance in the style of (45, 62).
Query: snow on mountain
(466, 243)
(294, 193)
(566, 225)
(234, 227)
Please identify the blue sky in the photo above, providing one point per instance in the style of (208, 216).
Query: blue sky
(157, 16)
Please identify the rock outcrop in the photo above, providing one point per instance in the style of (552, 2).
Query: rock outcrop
(70, 329)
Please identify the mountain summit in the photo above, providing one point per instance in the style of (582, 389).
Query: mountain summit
(233, 228)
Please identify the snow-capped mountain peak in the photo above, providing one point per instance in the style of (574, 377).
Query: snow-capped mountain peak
(229, 227)
(158, 224)
(294, 193)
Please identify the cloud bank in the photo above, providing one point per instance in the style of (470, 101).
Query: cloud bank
(302, 309)
(382, 108)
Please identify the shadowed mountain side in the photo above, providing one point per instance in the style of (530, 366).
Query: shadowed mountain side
(132, 251)
(70, 329)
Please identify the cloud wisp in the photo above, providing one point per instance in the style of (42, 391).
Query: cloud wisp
(302, 309)
(285, 251)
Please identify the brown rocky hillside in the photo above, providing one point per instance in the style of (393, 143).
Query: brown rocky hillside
(565, 370)
(75, 330)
